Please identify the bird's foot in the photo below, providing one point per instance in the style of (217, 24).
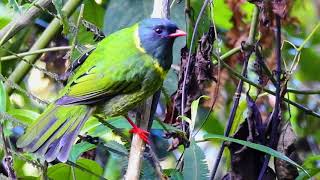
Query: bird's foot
(143, 134)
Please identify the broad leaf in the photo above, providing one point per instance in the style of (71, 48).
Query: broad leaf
(79, 149)
(196, 168)
(64, 171)
(116, 148)
(194, 111)
(24, 115)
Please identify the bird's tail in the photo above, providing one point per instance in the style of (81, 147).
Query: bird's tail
(53, 133)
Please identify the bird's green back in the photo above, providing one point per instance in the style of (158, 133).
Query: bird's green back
(118, 65)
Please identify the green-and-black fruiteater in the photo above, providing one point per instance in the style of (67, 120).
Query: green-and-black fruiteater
(125, 69)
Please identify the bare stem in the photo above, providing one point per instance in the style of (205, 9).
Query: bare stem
(250, 41)
(74, 40)
(299, 106)
(7, 160)
(276, 115)
(29, 53)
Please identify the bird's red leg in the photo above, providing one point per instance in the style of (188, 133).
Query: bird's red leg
(143, 134)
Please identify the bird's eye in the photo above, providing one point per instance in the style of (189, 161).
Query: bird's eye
(158, 30)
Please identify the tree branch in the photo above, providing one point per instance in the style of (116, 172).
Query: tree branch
(250, 41)
(21, 21)
(276, 114)
(147, 110)
(54, 27)
(299, 106)
(29, 53)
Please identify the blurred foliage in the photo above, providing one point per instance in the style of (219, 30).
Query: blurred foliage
(105, 154)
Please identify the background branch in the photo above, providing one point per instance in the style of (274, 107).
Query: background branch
(250, 41)
(145, 116)
(22, 20)
(29, 53)
(54, 27)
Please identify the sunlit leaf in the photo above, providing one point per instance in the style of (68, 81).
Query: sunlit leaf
(222, 15)
(24, 115)
(3, 98)
(311, 163)
(64, 171)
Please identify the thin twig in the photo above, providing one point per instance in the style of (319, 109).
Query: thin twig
(22, 20)
(297, 105)
(75, 35)
(46, 10)
(40, 51)
(216, 89)
(50, 74)
(18, 88)
(183, 101)
(276, 115)
(7, 160)
(250, 41)
(306, 92)
(236, 74)
(54, 27)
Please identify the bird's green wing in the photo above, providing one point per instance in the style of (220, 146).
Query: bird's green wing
(118, 64)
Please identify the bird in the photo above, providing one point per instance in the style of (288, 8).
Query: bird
(122, 71)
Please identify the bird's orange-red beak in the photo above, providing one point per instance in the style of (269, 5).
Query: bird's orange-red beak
(178, 33)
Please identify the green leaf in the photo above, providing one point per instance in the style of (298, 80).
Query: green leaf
(78, 149)
(147, 171)
(64, 171)
(196, 168)
(194, 111)
(116, 148)
(6, 15)
(311, 164)
(93, 13)
(24, 115)
(3, 98)
(14, 5)
(58, 4)
(112, 170)
(173, 173)
(255, 146)
(308, 70)
(222, 15)
(239, 118)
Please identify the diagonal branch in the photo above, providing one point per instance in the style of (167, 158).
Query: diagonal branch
(54, 27)
(22, 20)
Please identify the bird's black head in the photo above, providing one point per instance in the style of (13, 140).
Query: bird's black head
(156, 38)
